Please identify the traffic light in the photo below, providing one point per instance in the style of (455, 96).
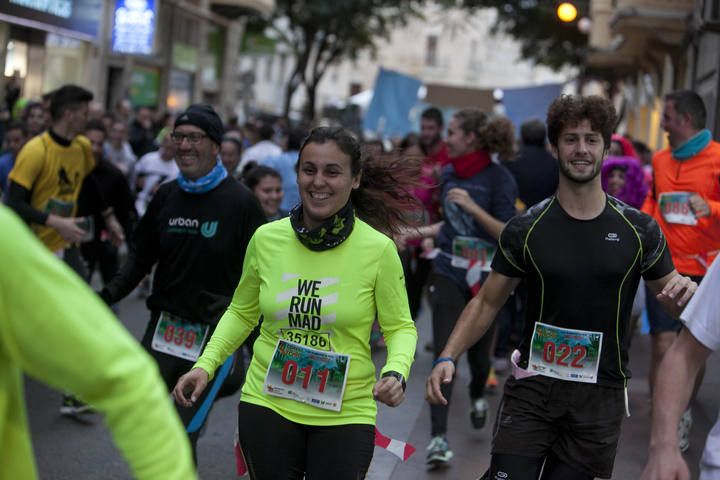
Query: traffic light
(567, 12)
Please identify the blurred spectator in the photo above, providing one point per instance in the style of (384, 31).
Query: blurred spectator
(96, 111)
(265, 183)
(154, 169)
(621, 147)
(263, 149)
(285, 164)
(35, 119)
(230, 151)
(118, 150)
(15, 138)
(431, 129)
(622, 177)
(645, 156)
(535, 169)
(644, 153)
(107, 120)
(123, 110)
(232, 123)
(111, 182)
(417, 268)
(142, 132)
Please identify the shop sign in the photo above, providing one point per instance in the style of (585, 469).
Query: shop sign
(76, 18)
(184, 56)
(145, 86)
(134, 26)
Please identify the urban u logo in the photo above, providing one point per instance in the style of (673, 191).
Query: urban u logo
(209, 229)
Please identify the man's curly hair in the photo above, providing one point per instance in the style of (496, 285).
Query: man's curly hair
(570, 110)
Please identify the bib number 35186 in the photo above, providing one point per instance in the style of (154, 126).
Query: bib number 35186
(307, 375)
(565, 353)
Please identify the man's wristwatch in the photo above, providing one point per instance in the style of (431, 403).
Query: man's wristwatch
(397, 375)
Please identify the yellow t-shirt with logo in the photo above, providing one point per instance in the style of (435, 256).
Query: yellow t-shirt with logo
(54, 174)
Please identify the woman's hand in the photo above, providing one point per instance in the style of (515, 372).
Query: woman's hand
(190, 386)
(389, 391)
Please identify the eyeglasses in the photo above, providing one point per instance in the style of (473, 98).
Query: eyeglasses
(194, 138)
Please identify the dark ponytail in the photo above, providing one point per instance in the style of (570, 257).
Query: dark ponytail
(494, 134)
(385, 192)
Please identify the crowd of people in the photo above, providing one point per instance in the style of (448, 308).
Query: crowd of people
(537, 257)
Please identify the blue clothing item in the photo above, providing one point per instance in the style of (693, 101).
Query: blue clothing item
(693, 146)
(206, 183)
(494, 189)
(7, 162)
(285, 165)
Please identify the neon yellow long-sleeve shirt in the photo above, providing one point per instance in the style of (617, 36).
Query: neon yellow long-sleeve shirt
(55, 329)
(333, 295)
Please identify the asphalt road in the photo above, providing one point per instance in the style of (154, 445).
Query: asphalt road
(72, 449)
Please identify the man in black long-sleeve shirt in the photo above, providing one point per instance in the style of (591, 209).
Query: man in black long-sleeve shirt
(108, 180)
(196, 230)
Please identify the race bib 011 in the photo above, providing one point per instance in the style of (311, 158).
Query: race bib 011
(307, 375)
(179, 338)
(675, 208)
(565, 353)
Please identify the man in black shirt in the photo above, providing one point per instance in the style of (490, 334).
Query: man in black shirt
(196, 230)
(111, 183)
(535, 169)
(582, 254)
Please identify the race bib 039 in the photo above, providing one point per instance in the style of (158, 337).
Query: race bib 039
(565, 353)
(179, 338)
(307, 375)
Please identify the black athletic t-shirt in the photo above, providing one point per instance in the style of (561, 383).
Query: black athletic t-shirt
(198, 242)
(583, 274)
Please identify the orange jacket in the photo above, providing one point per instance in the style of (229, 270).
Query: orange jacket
(693, 247)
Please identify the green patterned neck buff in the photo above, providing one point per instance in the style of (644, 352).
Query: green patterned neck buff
(330, 234)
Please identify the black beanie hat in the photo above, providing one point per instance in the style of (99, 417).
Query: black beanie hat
(205, 118)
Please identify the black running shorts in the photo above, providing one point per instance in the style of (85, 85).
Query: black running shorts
(578, 422)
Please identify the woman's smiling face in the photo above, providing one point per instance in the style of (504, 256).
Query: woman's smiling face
(325, 181)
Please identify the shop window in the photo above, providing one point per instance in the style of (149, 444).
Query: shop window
(16, 59)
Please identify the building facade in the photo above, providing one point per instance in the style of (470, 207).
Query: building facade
(160, 53)
(447, 47)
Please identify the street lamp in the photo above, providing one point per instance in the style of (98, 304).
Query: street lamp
(567, 12)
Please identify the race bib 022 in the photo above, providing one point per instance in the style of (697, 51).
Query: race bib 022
(565, 353)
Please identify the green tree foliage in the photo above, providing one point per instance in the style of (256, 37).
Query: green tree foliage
(319, 33)
(543, 38)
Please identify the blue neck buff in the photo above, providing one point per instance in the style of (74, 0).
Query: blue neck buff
(206, 183)
(693, 146)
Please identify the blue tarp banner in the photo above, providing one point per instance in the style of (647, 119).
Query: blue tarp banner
(523, 104)
(394, 95)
